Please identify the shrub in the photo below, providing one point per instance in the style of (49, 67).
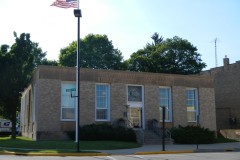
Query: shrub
(5, 134)
(95, 132)
(192, 135)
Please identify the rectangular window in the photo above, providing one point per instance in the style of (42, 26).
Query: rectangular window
(102, 102)
(165, 101)
(192, 104)
(67, 102)
(135, 93)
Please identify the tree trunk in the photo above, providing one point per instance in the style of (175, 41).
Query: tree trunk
(14, 120)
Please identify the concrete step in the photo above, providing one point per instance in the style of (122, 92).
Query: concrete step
(158, 141)
(152, 138)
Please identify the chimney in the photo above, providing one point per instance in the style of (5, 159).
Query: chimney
(225, 61)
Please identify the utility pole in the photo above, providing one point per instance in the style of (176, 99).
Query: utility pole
(215, 41)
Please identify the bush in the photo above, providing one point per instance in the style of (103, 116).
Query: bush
(192, 135)
(5, 134)
(95, 132)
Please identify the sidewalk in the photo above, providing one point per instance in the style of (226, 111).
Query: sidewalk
(177, 148)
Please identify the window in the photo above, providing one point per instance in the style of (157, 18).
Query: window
(192, 105)
(102, 102)
(165, 101)
(67, 102)
(135, 93)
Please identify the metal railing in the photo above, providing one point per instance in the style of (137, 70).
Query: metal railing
(159, 131)
(129, 124)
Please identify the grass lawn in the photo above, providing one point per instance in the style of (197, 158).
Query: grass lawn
(60, 146)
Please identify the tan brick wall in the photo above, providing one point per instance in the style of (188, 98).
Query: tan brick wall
(227, 89)
(179, 106)
(151, 106)
(48, 107)
(118, 100)
(207, 108)
(49, 111)
(227, 97)
(87, 103)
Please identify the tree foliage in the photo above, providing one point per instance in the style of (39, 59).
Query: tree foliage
(174, 55)
(192, 135)
(16, 67)
(96, 51)
(156, 39)
(48, 62)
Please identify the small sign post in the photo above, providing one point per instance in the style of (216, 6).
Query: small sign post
(163, 128)
(71, 90)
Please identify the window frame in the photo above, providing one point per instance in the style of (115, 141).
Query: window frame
(141, 94)
(107, 103)
(74, 99)
(169, 108)
(196, 107)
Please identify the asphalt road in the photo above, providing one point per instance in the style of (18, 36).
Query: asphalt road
(188, 156)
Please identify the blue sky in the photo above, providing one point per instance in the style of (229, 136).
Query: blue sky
(128, 23)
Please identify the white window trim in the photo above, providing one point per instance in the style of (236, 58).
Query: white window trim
(109, 107)
(140, 104)
(67, 120)
(137, 104)
(170, 103)
(196, 103)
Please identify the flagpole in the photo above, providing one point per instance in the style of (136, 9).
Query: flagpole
(78, 14)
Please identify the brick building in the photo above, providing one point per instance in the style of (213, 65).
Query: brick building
(227, 97)
(48, 111)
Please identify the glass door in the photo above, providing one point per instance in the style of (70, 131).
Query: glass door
(135, 117)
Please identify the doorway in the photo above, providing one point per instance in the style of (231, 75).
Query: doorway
(135, 117)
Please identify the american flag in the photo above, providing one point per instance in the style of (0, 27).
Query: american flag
(66, 3)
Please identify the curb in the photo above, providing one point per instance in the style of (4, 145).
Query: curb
(165, 152)
(106, 154)
(229, 149)
(54, 154)
(218, 150)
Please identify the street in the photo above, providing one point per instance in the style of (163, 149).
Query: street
(189, 156)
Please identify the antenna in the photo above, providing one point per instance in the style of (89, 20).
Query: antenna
(215, 41)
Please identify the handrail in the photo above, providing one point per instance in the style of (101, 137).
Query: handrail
(129, 124)
(159, 131)
(132, 125)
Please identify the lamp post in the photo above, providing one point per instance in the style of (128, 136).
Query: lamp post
(163, 127)
(126, 115)
(198, 124)
(78, 14)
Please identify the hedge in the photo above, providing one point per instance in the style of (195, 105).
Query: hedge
(95, 132)
(192, 135)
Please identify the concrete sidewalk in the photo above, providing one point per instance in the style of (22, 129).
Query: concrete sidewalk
(177, 148)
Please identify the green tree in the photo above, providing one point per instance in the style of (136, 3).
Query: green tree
(16, 67)
(156, 39)
(96, 51)
(49, 62)
(4, 49)
(175, 55)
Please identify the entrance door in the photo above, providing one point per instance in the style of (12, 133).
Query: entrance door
(135, 117)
